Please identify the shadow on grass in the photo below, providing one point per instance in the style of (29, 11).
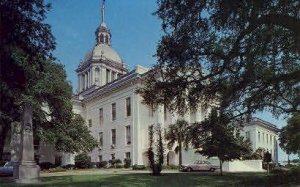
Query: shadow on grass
(170, 179)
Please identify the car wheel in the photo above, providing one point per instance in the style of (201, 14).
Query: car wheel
(212, 169)
(189, 170)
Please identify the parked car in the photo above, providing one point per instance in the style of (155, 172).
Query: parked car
(199, 166)
(7, 169)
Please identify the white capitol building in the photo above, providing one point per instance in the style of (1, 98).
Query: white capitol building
(117, 118)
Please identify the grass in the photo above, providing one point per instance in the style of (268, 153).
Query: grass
(171, 179)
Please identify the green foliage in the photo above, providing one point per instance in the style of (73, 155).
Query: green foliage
(29, 74)
(127, 163)
(83, 161)
(289, 136)
(178, 132)
(155, 157)
(102, 164)
(215, 137)
(245, 55)
(257, 155)
(115, 163)
(138, 167)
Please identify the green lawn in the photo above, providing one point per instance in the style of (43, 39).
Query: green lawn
(174, 179)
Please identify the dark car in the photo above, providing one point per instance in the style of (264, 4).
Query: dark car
(199, 166)
(7, 169)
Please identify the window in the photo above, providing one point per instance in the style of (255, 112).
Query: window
(151, 111)
(113, 156)
(113, 137)
(113, 111)
(263, 137)
(101, 38)
(97, 74)
(127, 155)
(267, 138)
(258, 136)
(107, 75)
(248, 135)
(271, 139)
(118, 75)
(90, 123)
(100, 139)
(100, 158)
(106, 39)
(128, 135)
(165, 113)
(113, 75)
(101, 116)
(128, 106)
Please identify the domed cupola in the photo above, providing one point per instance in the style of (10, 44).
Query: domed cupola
(103, 35)
(102, 64)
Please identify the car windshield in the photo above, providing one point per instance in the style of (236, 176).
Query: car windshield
(7, 164)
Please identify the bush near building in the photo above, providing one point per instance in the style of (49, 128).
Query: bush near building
(127, 163)
(83, 161)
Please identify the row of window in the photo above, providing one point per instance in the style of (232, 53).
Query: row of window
(113, 156)
(113, 137)
(113, 112)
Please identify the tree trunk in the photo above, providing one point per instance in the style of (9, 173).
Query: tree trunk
(180, 153)
(3, 134)
(221, 168)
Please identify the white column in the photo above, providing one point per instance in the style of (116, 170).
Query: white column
(86, 80)
(92, 76)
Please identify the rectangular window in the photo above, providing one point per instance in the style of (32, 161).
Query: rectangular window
(107, 75)
(151, 111)
(113, 75)
(165, 113)
(100, 158)
(128, 135)
(113, 156)
(263, 137)
(271, 139)
(100, 139)
(113, 111)
(101, 116)
(127, 155)
(267, 138)
(90, 123)
(258, 136)
(128, 106)
(113, 137)
(248, 135)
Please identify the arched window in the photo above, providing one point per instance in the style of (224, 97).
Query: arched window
(101, 38)
(106, 39)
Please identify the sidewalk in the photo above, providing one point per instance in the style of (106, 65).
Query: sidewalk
(99, 172)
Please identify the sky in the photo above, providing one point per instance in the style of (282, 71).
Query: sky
(135, 34)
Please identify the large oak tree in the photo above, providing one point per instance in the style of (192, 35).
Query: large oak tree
(245, 55)
(28, 73)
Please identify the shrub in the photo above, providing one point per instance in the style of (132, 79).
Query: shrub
(115, 162)
(46, 165)
(127, 163)
(83, 161)
(69, 166)
(102, 164)
(138, 167)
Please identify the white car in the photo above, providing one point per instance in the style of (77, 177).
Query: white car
(199, 166)
(7, 169)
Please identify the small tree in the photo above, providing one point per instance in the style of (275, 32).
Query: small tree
(156, 159)
(178, 132)
(82, 161)
(218, 139)
(289, 137)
